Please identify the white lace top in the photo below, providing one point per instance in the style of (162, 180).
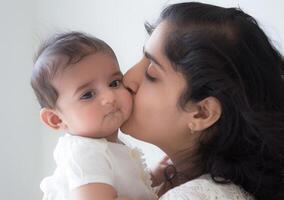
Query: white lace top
(204, 188)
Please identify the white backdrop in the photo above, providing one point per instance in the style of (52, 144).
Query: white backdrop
(26, 146)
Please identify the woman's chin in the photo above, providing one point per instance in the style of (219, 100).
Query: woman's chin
(128, 129)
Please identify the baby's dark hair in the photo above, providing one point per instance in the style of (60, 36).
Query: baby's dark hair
(223, 53)
(57, 53)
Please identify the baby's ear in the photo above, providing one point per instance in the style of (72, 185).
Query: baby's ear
(50, 118)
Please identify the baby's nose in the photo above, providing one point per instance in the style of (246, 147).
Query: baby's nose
(108, 97)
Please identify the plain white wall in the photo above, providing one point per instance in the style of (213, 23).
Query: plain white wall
(20, 147)
(26, 146)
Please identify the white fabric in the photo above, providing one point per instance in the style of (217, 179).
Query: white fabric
(82, 160)
(204, 188)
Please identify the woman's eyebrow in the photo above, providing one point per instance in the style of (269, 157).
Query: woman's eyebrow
(151, 57)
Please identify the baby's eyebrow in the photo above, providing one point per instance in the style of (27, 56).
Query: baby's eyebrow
(82, 87)
(118, 73)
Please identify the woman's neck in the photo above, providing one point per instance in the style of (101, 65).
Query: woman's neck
(186, 159)
(187, 166)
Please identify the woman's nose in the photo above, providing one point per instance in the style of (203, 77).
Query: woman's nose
(130, 81)
(134, 76)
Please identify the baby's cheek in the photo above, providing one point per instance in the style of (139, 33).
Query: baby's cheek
(127, 102)
(90, 117)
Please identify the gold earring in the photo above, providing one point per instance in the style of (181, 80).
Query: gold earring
(191, 126)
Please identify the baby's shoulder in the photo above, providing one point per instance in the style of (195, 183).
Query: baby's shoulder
(80, 150)
(78, 144)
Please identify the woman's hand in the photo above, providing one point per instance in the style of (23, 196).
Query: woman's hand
(158, 172)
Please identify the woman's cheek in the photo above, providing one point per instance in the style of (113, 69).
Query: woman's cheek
(145, 108)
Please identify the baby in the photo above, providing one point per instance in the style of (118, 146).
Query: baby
(78, 83)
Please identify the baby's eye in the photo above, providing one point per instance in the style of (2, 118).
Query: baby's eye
(88, 95)
(115, 83)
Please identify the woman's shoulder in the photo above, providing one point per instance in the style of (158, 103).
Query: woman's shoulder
(204, 188)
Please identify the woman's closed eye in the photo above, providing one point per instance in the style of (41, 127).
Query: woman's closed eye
(148, 77)
(88, 95)
(148, 74)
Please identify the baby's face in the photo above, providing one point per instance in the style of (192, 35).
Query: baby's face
(92, 101)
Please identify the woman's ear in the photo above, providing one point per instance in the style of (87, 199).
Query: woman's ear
(50, 118)
(207, 113)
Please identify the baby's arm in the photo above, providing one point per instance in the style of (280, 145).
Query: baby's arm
(96, 191)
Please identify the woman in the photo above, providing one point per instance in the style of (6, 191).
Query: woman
(209, 93)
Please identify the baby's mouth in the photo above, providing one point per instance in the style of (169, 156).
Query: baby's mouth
(112, 111)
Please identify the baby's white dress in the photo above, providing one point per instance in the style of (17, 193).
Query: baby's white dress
(82, 160)
(204, 188)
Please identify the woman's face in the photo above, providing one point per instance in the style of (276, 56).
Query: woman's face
(157, 87)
